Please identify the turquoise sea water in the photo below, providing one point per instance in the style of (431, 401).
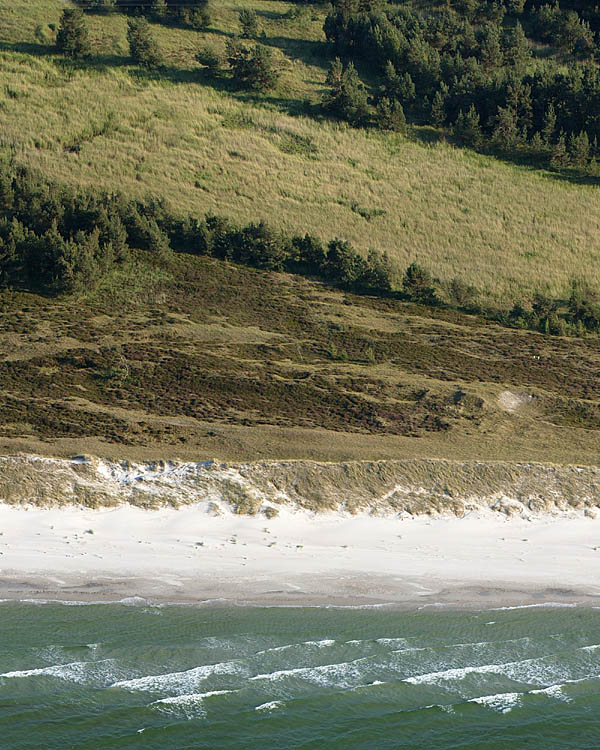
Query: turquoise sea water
(173, 677)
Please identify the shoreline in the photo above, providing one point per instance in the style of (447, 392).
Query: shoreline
(456, 597)
(191, 556)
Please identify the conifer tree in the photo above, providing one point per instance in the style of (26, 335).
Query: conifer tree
(438, 106)
(517, 51)
(467, 126)
(506, 132)
(515, 6)
(559, 158)
(469, 44)
(390, 115)
(143, 47)
(249, 24)
(159, 10)
(209, 57)
(491, 49)
(200, 17)
(417, 284)
(72, 38)
(549, 125)
(348, 100)
(579, 149)
(334, 74)
(252, 67)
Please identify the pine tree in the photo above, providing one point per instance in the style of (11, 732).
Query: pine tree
(209, 57)
(406, 90)
(467, 126)
(252, 67)
(249, 23)
(559, 158)
(515, 6)
(390, 115)
(334, 74)
(549, 125)
(143, 47)
(417, 285)
(579, 149)
(200, 16)
(438, 106)
(72, 38)
(159, 10)
(491, 49)
(506, 132)
(348, 100)
(517, 51)
(468, 43)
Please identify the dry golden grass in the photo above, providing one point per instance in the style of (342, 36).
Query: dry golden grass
(508, 229)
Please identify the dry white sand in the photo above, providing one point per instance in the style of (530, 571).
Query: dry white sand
(482, 560)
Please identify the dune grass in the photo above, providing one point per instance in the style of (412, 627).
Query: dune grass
(508, 229)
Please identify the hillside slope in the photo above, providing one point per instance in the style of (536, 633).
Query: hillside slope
(510, 230)
(202, 359)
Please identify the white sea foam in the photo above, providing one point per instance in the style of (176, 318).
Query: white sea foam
(544, 669)
(533, 606)
(502, 702)
(448, 708)
(317, 644)
(392, 641)
(190, 705)
(269, 706)
(553, 691)
(326, 674)
(180, 680)
(450, 674)
(79, 671)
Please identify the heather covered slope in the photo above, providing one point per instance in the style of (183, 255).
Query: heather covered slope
(200, 359)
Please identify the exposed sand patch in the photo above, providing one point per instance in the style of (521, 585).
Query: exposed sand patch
(513, 400)
(299, 557)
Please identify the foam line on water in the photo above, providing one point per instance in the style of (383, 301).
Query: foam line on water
(533, 606)
(269, 706)
(326, 674)
(511, 669)
(78, 671)
(318, 644)
(190, 705)
(183, 681)
(501, 702)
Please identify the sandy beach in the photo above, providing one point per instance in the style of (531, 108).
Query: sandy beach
(190, 555)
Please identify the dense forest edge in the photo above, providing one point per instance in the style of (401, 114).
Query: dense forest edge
(58, 240)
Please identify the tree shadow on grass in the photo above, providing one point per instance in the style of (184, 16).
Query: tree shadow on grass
(272, 15)
(428, 135)
(310, 52)
(35, 49)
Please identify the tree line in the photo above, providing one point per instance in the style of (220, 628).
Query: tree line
(60, 240)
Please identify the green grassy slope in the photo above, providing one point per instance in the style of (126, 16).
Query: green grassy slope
(509, 230)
